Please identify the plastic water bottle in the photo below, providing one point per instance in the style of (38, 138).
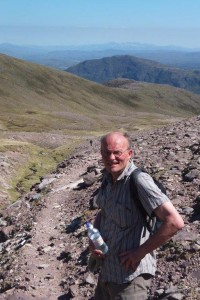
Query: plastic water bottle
(95, 236)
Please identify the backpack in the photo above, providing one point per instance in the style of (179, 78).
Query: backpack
(152, 222)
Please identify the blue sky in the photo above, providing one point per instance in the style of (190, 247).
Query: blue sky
(74, 22)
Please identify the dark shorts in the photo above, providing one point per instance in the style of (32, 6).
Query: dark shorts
(137, 289)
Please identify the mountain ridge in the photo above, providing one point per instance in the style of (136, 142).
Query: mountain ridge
(131, 67)
(34, 93)
(62, 57)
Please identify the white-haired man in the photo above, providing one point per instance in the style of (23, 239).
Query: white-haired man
(127, 270)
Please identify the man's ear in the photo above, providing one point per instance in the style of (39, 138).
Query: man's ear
(130, 152)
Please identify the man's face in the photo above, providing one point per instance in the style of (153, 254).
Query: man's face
(115, 154)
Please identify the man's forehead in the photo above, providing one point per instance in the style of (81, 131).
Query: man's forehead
(115, 140)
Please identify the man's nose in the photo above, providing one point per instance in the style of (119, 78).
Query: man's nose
(111, 156)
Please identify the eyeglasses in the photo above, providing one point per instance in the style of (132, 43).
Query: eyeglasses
(117, 154)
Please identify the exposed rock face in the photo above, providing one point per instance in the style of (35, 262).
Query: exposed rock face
(43, 240)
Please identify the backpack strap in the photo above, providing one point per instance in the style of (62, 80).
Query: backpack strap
(135, 196)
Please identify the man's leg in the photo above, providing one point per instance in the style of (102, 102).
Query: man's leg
(135, 290)
(101, 292)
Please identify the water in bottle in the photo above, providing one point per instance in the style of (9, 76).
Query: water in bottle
(95, 236)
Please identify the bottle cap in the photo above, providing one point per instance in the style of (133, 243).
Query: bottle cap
(88, 224)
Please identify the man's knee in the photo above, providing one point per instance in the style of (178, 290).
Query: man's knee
(137, 289)
(141, 285)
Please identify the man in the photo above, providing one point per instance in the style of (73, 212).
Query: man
(127, 270)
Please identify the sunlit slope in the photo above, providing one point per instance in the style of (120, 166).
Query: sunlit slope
(38, 98)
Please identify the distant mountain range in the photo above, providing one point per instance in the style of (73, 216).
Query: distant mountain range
(62, 57)
(131, 67)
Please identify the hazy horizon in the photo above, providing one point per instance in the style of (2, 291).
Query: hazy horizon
(77, 22)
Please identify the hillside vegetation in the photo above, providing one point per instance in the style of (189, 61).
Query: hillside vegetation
(45, 114)
(131, 67)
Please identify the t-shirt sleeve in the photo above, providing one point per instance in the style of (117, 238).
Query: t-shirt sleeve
(149, 193)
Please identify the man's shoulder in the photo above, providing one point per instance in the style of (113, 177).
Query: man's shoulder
(140, 176)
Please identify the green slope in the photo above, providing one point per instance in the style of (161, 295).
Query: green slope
(37, 98)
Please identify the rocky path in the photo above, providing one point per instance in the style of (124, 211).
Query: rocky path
(39, 268)
(43, 241)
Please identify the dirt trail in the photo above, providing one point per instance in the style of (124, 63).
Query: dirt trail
(40, 262)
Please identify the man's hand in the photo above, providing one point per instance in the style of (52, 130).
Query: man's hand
(95, 252)
(130, 259)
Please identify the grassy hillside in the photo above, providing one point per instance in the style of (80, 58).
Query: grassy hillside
(37, 98)
(161, 95)
(45, 114)
(131, 67)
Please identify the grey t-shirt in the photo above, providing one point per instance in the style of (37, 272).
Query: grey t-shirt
(122, 224)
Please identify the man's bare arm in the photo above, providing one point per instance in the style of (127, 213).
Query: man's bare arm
(172, 222)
